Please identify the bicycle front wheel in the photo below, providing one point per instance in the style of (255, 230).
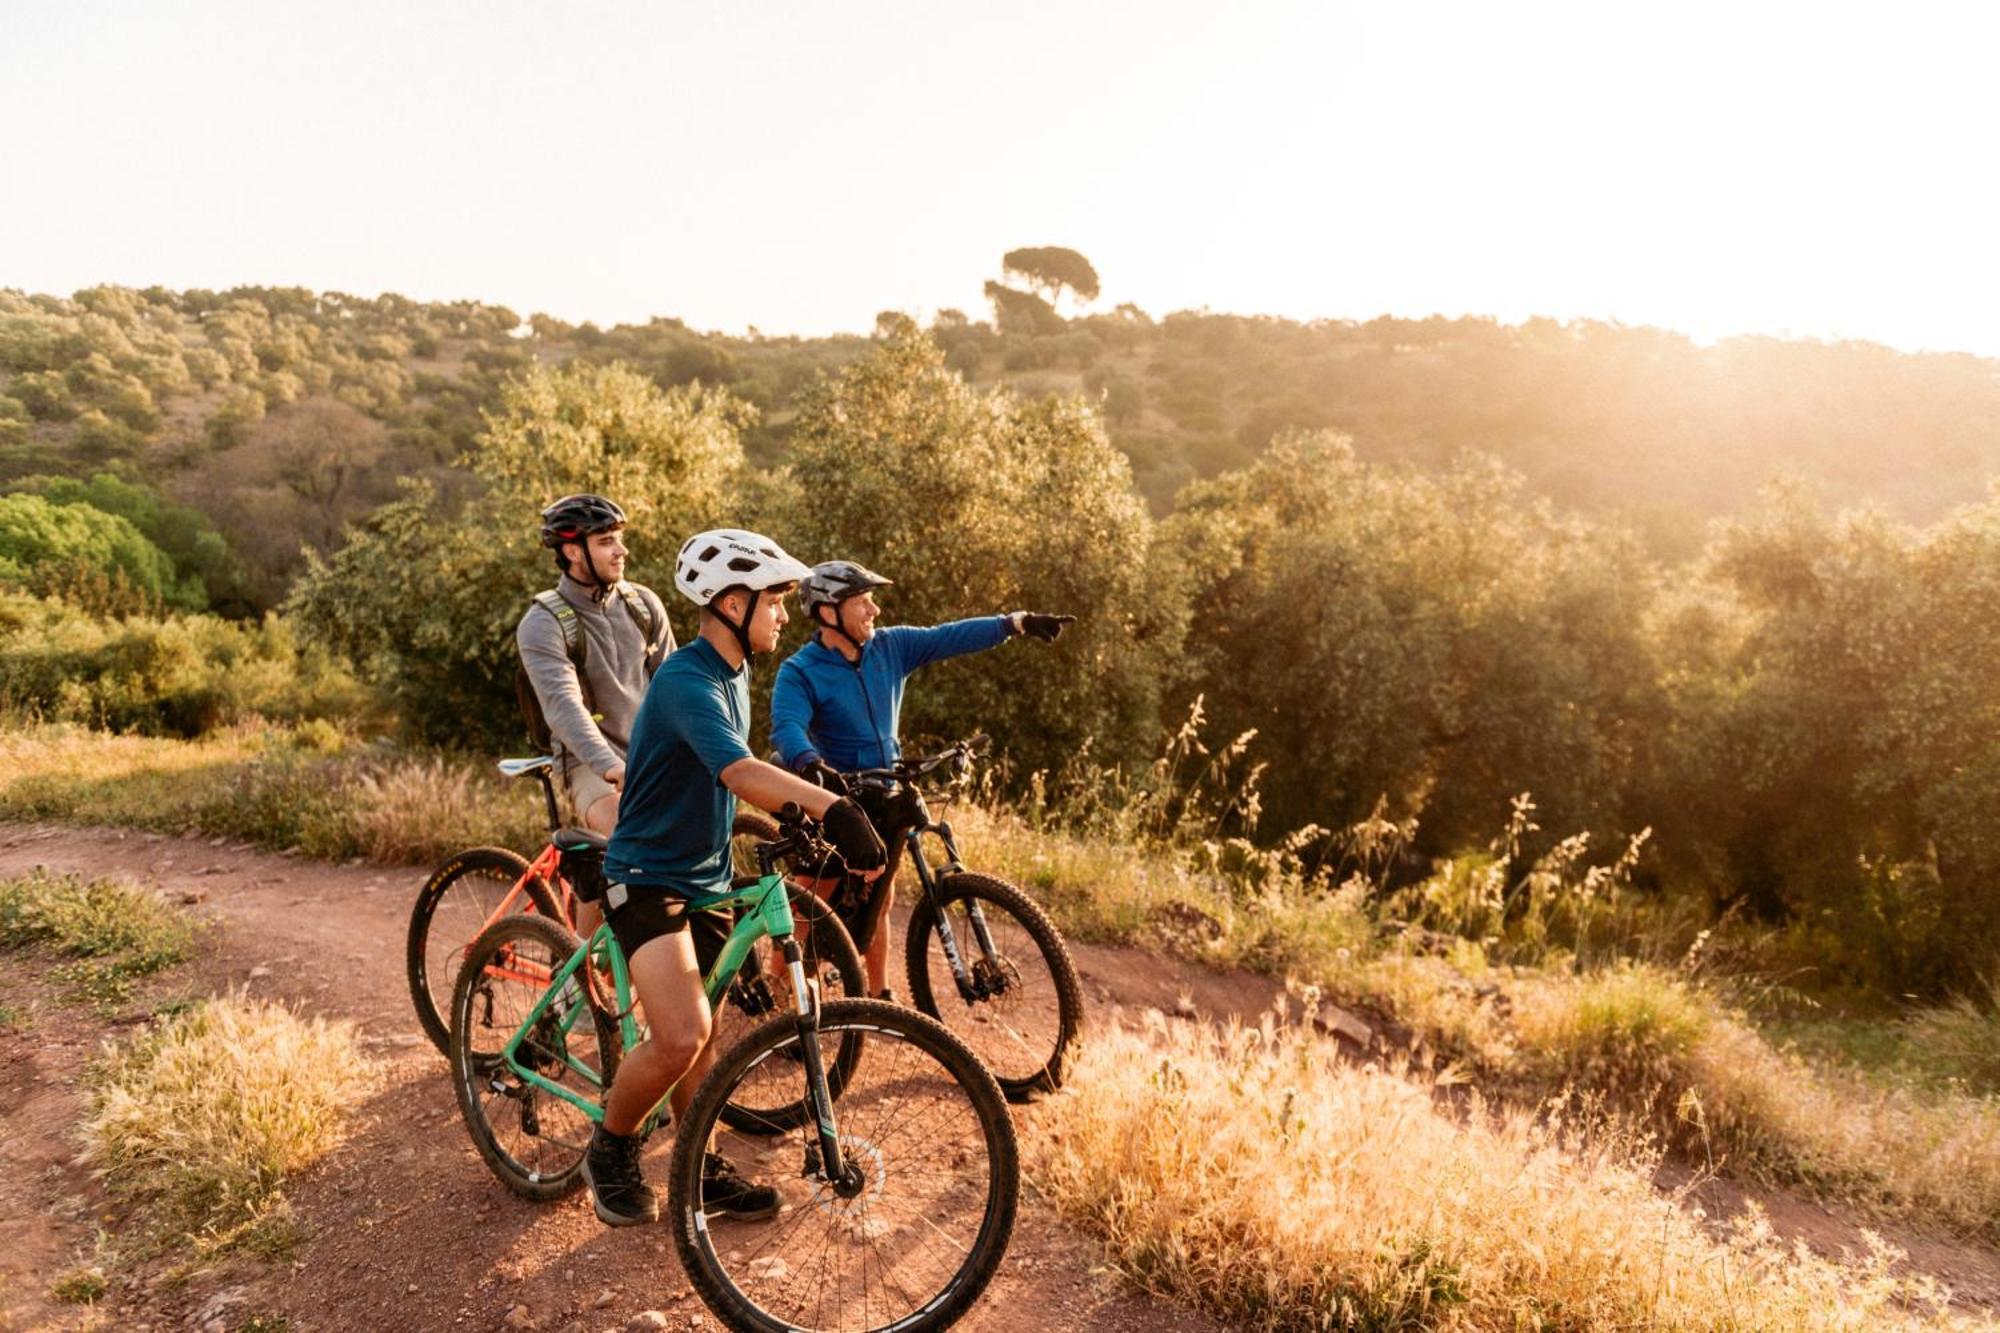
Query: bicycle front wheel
(457, 902)
(921, 1223)
(1020, 1006)
(532, 1138)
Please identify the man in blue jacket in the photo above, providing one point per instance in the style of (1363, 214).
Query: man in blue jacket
(838, 700)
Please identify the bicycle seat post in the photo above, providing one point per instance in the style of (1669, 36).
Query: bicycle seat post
(549, 797)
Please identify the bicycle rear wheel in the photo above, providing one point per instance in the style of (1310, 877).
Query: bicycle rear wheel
(533, 1140)
(1022, 1006)
(454, 905)
(919, 1233)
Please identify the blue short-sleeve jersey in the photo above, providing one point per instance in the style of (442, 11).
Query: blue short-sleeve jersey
(674, 817)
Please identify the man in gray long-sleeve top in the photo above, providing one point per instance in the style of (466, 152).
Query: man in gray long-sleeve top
(619, 633)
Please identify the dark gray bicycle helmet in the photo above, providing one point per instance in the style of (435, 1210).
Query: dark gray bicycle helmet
(833, 582)
(575, 517)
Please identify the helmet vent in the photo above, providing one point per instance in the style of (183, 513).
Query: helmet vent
(709, 554)
(743, 564)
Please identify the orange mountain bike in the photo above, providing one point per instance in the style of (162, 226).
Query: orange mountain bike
(477, 887)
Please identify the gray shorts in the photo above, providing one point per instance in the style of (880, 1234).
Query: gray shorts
(586, 786)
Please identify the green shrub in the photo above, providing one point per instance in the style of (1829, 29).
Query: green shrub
(181, 676)
(427, 593)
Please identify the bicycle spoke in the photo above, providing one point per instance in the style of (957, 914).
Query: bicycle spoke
(917, 1126)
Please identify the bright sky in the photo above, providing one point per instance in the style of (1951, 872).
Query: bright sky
(1815, 168)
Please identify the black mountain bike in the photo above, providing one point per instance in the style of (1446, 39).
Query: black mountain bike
(980, 956)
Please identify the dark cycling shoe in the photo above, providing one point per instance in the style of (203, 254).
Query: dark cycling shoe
(726, 1190)
(617, 1189)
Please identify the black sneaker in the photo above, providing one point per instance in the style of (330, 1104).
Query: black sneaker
(726, 1190)
(619, 1191)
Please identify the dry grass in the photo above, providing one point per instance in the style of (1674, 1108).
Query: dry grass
(1257, 1175)
(1700, 1072)
(203, 1118)
(1961, 1040)
(116, 933)
(308, 787)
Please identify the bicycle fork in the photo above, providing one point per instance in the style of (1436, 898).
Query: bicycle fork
(968, 988)
(822, 1157)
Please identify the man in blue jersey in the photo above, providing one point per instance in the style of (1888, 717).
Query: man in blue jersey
(838, 700)
(688, 762)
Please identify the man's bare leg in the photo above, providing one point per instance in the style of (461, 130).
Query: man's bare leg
(602, 817)
(668, 982)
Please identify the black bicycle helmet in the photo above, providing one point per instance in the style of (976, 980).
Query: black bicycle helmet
(575, 517)
(834, 581)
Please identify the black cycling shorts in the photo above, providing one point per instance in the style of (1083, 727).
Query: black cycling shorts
(648, 913)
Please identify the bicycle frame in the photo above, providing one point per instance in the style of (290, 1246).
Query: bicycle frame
(969, 989)
(770, 914)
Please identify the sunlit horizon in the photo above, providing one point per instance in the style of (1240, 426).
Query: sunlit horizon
(1786, 171)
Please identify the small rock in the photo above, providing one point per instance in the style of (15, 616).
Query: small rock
(258, 972)
(213, 870)
(518, 1318)
(189, 897)
(645, 1321)
(218, 1305)
(217, 842)
(412, 1289)
(215, 1326)
(1335, 1021)
(604, 1298)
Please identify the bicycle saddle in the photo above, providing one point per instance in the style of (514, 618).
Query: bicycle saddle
(514, 768)
(578, 840)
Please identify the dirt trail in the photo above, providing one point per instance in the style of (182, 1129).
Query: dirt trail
(408, 1228)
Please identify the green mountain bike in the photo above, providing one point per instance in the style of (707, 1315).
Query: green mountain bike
(889, 1141)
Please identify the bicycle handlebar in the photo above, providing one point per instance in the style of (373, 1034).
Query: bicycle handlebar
(958, 756)
(798, 834)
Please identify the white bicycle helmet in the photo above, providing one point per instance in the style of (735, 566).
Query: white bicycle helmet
(713, 562)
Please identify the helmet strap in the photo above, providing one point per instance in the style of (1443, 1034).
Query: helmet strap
(741, 630)
(836, 627)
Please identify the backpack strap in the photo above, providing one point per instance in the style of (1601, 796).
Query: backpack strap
(574, 644)
(649, 624)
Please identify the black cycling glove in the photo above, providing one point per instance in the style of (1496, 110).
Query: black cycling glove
(1046, 628)
(847, 826)
(822, 774)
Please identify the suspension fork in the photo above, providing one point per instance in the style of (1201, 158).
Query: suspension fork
(846, 1179)
(982, 937)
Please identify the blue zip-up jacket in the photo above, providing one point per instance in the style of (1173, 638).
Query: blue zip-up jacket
(846, 713)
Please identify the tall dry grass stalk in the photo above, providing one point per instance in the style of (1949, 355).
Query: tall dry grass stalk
(1257, 1175)
(203, 1118)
